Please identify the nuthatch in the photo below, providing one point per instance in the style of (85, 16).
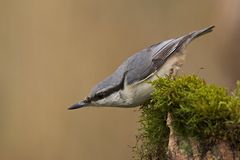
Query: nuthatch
(128, 86)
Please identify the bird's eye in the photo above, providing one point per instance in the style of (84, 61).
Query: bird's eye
(100, 95)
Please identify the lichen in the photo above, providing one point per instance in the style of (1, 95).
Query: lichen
(202, 111)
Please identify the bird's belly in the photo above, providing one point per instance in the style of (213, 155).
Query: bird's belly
(137, 93)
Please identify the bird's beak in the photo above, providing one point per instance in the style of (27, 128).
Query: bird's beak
(78, 105)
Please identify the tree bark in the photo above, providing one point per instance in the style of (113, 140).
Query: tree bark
(219, 151)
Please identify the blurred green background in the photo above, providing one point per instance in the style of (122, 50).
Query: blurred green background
(53, 51)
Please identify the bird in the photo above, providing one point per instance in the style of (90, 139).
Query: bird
(128, 86)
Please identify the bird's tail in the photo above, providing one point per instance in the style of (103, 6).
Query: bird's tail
(199, 33)
(183, 41)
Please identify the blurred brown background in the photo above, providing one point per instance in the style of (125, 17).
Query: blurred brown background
(53, 51)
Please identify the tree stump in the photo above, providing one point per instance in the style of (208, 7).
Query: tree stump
(188, 119)
(219, 151)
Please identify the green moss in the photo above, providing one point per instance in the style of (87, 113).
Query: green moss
(205, 112)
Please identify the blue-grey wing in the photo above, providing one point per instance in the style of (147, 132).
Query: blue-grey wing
(147, 61)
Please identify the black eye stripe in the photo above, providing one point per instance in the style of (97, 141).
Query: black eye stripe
(100, 95)
(110, 91)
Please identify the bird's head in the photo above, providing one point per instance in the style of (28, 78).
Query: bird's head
(94, 99)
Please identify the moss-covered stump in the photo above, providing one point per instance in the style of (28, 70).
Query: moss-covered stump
(189, 119)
